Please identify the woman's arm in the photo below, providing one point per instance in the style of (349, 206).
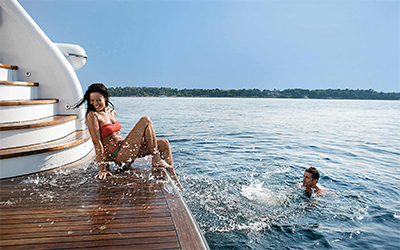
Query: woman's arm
(113, 113)
(101, 158)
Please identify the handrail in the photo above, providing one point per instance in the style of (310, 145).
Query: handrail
(76, 55)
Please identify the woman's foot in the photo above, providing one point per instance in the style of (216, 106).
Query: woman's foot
(161, 163)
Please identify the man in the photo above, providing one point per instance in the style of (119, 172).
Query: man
(310, 182)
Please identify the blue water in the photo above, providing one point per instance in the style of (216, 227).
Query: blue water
(239, 160)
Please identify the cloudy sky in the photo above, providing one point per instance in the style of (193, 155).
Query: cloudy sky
(230, 44)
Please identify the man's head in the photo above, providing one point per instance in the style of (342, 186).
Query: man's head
(310, 177)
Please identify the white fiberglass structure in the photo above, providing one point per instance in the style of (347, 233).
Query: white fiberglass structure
(38, 85)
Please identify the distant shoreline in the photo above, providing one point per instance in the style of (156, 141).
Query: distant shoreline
(348, 94)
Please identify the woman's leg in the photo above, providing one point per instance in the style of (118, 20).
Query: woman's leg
(166, 154)
(163, 147)
(165, 150)
(131, 146)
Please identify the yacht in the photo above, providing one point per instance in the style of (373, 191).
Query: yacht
(44, 203)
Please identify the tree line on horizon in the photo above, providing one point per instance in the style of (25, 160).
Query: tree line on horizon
(369, 94)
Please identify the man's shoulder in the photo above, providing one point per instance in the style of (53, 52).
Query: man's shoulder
(299, 185)
(322, 190)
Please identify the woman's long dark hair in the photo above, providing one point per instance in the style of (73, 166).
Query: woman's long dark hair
(95, 87)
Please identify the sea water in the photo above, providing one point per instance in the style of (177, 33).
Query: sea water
(239, 160)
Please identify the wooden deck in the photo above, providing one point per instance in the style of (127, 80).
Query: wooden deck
(6, 66)
(48, 121)
(135, 209)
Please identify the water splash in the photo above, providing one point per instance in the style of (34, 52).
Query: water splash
(256, 191)
(9, 202)
(35, 180)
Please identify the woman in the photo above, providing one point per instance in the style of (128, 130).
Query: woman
(110, 145)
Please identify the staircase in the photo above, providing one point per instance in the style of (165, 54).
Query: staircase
(33, 137)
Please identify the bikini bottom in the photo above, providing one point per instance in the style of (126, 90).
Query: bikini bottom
(114, 153)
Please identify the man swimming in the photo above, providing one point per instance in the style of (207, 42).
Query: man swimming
(310, 182)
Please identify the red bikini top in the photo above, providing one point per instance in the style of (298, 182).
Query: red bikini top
(109, 128)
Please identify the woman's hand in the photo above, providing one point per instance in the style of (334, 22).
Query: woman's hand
(102, 174)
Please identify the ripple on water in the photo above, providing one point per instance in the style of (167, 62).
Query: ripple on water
(268, 205)
(221, 143)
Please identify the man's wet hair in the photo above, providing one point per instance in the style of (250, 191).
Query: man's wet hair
(314, 172)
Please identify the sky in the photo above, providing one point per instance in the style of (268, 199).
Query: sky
(230, 44)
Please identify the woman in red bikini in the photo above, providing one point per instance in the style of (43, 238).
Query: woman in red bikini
(110, 145)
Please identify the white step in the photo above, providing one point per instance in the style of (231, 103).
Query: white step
(25, 110)
(8, 72)
(10, 90)
(35, 132)
(46, 156)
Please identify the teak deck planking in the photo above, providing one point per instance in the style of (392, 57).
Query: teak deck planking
(19, 83)
(28, 102)
(6, 66)
(73, 139)
(44, 122)
(135, 209)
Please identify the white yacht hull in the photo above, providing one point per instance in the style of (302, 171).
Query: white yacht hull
(38, 86)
